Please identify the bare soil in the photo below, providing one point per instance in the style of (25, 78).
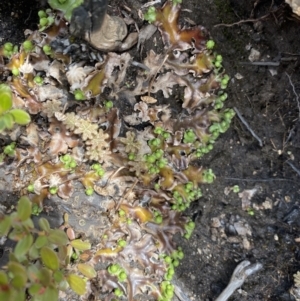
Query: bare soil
(268, 98)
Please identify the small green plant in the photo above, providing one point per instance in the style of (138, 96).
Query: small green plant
(37, 267)
(66, 6)
(150, 15)
(8, 115)
(9, 49)
(210, 44)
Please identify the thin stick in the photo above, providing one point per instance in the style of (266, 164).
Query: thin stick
(259, 180)
(126, 194)
(272, 64)
(248, 127)
(295, 93)
(293, 167)
(158, 69)
(242, 21)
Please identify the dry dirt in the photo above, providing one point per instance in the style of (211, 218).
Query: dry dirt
(268, 98)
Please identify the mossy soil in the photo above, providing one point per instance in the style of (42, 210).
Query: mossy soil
(267, 100)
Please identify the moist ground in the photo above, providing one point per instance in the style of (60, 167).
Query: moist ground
(267, 97)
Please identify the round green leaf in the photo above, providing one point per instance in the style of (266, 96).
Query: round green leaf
(19, 281)
(77, 284)
(50, 294)
(58, 237)
(5, 225)
(34, 289)
(6, 121)
(33, 273)
(80, 244)
(87, 270)
(17, 269)
(33, 252)
(3, 278)
(49, 258)
(24, 208)
(44, 224)
(40, 242)
(5, 98)
(23, 246)
(45, 276)
(20, 116)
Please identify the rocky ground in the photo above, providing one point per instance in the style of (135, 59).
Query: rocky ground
(259, 42)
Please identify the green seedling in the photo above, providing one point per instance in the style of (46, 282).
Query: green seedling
(66, 6)
(189, 136)
(79, 95)
(89, 191)
(150, 15)
(210, 44)
(37, 268)
(8, 115)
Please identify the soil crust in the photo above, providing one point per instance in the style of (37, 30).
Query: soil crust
(267, 97)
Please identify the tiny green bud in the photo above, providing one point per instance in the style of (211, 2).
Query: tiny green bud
(108, 104)
(15, 71)
(218, 64)
(89, 191)
(100, 172)
(251, 212)
(42, 14)
(158, 130)
(122, 276)
(219, 58)
(79, 95)
(189, 186)
(44, 21)
(150, 15)
(210, 44)
(166, 135)
(47, 49)
(158, 219)
(66, 158)
(38, 80)
(151, 158)
(122, 212)
(73, 164)
(168, 259)
(53, 190)
(30, 188)
(8, 46)
(122, 243)
(27, 45)
(131, 156)
(113, 269)
(156, 186)
(96, 166)
(236, 188)
(118, 292)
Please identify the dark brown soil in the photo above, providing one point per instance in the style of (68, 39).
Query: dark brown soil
(268, 97)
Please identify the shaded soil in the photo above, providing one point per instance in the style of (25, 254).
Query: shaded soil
(266, 98)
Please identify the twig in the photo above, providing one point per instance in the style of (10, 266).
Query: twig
(158, 69)
(239, 275)
(242, 21)
(295, 93)
(259, 180)
(126, 194)
(248, 20)
(248, 127)
(293, 167)
(151, 3)
(272, 64)
(180, 294)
